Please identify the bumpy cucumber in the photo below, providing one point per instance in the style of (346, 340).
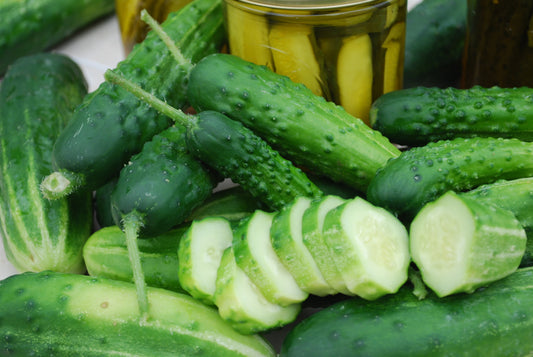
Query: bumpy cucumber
(37, 98)
(422, 174)
(111, 124)
(494, 321)
(102, 204)
(68, 314)
(416, 116)
(311, 132)
(460, 243)
(29, 27)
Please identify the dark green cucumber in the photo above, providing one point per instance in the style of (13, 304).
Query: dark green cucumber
(29, 27)
(304, 128)
(494, 321)
(235, 152)
(112, 124)
(422, 174)
(102, 204)
(434, 41)
(47, 314)
(416, 116)
(37, 97)
(515, 196)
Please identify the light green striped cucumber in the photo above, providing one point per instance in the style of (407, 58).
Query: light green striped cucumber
(37, 98)
(58, 314)
(460, 244)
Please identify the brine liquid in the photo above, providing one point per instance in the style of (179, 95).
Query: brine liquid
(350, 55)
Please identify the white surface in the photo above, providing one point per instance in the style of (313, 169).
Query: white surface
(95, 49)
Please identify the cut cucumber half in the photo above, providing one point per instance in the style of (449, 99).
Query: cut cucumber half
(370, 248)
(286, 236)
(241, 303)
(255, 255)
(199, 254)
(460, 244)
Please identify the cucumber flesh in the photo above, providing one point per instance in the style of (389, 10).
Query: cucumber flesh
(199, 255)
(287, 241)
(370, 248)
(460, 244)
(241, 303)
(255, 255)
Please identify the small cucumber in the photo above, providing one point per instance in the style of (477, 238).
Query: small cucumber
(311, 132)
(369, 247)
(460, 244)
(494, 321)
(70, 314)
(421, 174)
(200, 251)
(102, 204)
(286, 235)
(255, 255)
(416, 116)
(106, 255)
(241, 303)
(37, 97)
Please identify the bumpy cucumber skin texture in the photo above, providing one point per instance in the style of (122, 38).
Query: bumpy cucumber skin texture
(481, 324)
(29, 27)
(416, 116)
(37, 97)
(422, 174)
(76, 315)
(237, 152)
(163, 183)
(112, 124)
(434, 41)
(310, 131)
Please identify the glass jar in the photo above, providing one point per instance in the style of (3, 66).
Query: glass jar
(499, 44)
(349, 52)
(132, 29)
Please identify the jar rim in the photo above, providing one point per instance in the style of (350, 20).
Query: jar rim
(311, 4)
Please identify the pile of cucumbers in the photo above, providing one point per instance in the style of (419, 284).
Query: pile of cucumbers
(420, 223)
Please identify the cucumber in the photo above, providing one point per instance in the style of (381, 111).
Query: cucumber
(111, 124)
(422, 174)
(200, 252)
(493, 321)
(286, 235)
(311, 132)
(30, 27)
(434, 42)
(416, 116)
(69, 314)
(254, 254)
(106, 255)
(369, 247)
(460, 244)
(241, 303)
(37, 97)
(102, 204)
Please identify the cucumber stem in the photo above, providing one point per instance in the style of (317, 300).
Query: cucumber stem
(60, 184)
(175, 114)
(132, 224)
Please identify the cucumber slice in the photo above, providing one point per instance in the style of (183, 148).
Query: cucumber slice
(286, 237)
(255, 255)
(312, 224)
(241, 304)
(460, 244)
(370, 247)
(199, 254)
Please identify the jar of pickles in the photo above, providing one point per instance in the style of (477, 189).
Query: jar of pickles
(348, 51)
(132, 29)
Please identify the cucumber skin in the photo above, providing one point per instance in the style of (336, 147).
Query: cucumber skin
(29, 27)
(416, 116)
(112, 124)
(422, 174)
(484, 323)
(37, 97)
(311, 132)
(69, 314)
